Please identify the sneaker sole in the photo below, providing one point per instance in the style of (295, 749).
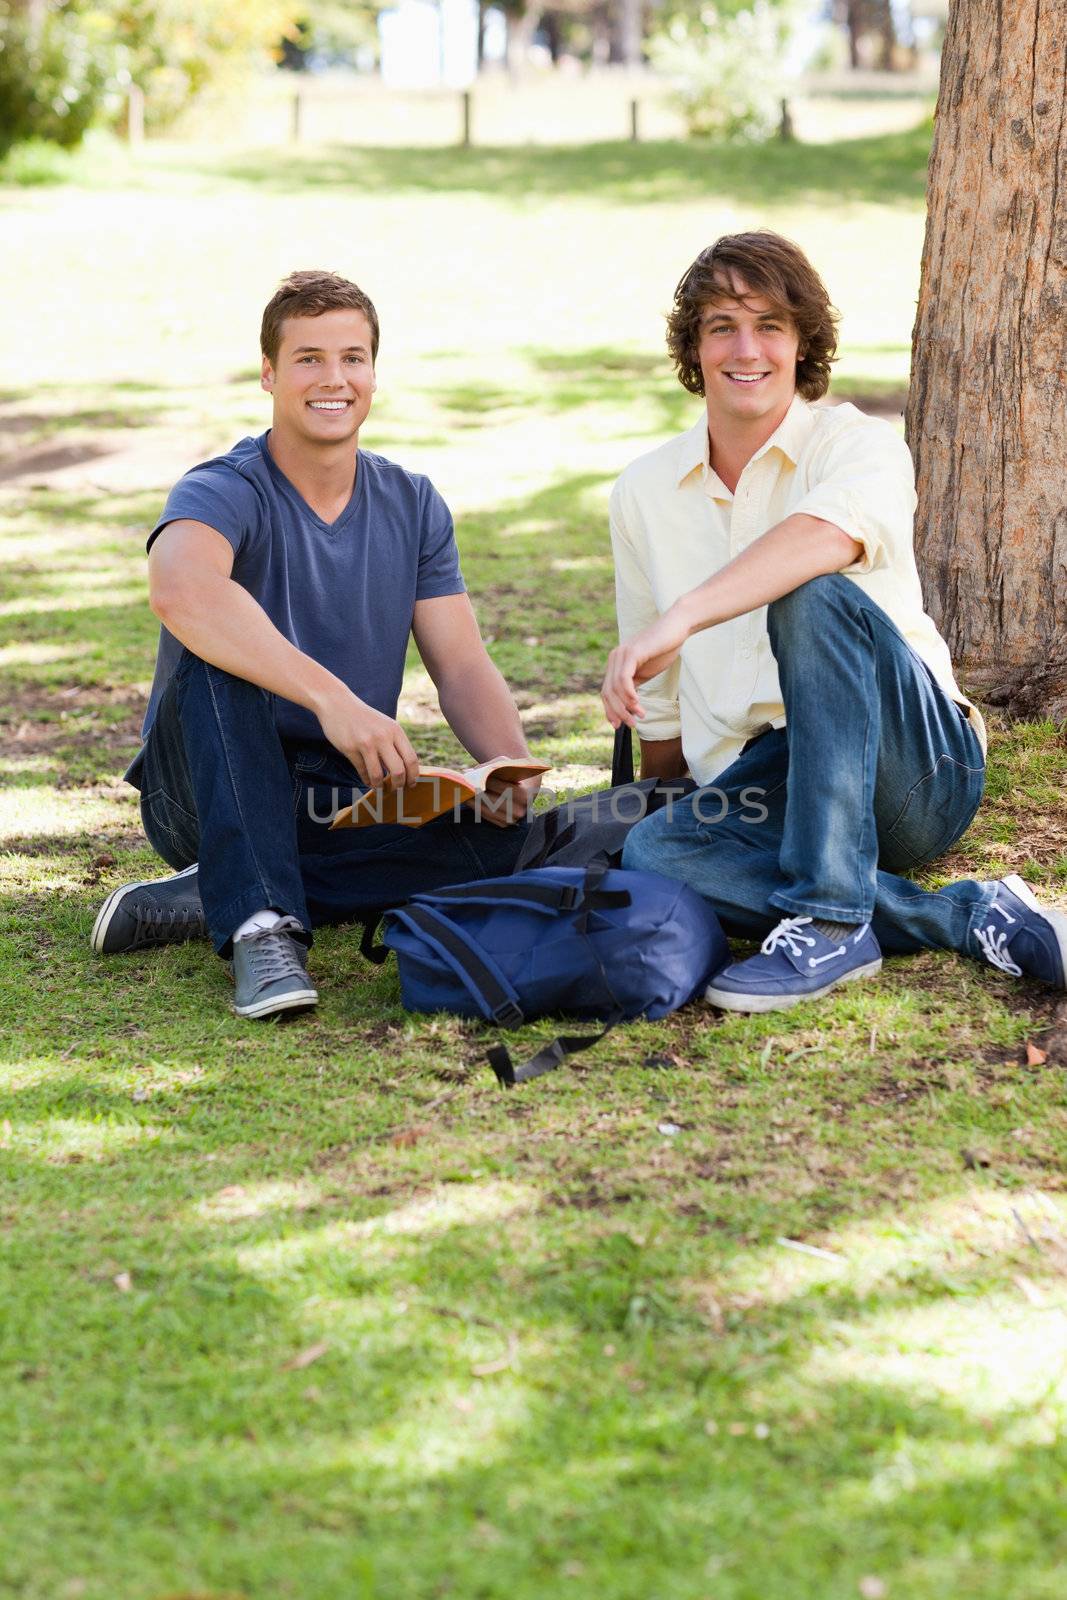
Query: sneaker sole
(111, 905)
(726, 1000)
(298, 1000)
(1055, 919)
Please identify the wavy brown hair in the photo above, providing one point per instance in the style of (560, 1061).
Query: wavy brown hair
(767, 265)
(312, 294)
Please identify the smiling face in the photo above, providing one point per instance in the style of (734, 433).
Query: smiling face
(322, 380)
(748, 354)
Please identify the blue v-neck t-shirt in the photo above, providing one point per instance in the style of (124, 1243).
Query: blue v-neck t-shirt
(343, 592)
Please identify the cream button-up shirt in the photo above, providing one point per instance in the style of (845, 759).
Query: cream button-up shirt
(674, 523)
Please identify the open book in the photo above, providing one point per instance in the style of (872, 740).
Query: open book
(435, 791)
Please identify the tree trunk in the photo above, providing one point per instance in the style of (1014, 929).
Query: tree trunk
(630, 23)
(887, 35)
(521, 30)
(854, 18)
(985, 418)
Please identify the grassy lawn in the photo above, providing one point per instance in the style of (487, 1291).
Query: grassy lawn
(314, 1310)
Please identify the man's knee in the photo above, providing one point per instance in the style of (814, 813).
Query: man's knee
(811, 605)
(644, 847)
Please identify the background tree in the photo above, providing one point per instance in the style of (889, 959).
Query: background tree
(174, 48)
(726, 63)
(335, 32)
(986, 410)
(873, 29)
(57, 64)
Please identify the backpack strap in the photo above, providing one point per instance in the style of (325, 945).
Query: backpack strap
(548, 1058)
(377, 953)
(622, 756)
(488, 988)
(539, 896)
(550, 897)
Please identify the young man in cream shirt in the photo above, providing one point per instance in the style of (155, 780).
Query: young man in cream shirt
(776, 647)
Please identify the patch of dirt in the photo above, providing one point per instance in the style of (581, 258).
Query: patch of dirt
(40, 461)
(122, 458)
(26, 733)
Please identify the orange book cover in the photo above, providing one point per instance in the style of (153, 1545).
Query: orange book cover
(436, 791)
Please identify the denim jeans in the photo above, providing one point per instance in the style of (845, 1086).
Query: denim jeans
(220, 787)
(876, 771)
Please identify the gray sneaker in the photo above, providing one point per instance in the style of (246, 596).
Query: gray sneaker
(269, 969)
(141, 915)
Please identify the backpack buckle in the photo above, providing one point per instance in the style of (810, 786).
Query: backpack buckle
(508, 1015)
(570, 897)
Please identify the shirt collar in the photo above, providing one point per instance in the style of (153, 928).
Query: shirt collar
(790, 437)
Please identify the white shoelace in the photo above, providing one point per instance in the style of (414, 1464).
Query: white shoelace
(786, 934)
(993, 942)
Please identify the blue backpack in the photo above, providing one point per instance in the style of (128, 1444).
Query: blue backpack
(589, 942)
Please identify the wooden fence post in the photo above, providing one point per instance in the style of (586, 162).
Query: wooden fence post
(297, 117)
(635, 129)
(466, 98)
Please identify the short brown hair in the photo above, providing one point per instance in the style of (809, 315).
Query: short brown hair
(770, 266)
(311, 294)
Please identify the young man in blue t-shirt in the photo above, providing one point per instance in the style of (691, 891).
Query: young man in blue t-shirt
(288, 576)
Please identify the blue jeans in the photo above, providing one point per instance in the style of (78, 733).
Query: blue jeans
(220, 787)
(876, 771)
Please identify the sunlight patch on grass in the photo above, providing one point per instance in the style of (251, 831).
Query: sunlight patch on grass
(243, 1202)
(49, 812)
(981, 1231)
(445, 1207)
(63, 1141)
(36, 655)
(581, 563)
(22, 766)
(39, 605)
(564, 708)
(990, 1354)
(439, 1434)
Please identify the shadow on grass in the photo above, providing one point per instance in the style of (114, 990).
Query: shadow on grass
(889, 168)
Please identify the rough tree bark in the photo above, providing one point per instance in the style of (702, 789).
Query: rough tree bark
(988, 401)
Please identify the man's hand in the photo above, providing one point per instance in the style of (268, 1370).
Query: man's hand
(647, 654)
(506, 803)
(377, 747)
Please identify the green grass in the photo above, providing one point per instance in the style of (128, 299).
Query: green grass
(555, 1347)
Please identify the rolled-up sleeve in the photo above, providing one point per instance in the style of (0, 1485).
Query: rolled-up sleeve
(636, 607)
(865, 485)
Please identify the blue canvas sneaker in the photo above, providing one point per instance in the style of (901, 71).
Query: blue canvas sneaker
(796, 962)
(1020, 937)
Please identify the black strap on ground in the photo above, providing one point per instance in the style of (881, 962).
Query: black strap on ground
(548, 1058)
(622, 756)
(483, 984)
(367, 947)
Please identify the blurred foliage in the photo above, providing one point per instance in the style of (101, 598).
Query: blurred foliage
(726, 63)
(69, 63)
(55, 72)
(329, 33)
(174, 48)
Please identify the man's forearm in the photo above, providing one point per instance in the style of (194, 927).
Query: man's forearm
(221, 623)
(791, 553)
(478, 707)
